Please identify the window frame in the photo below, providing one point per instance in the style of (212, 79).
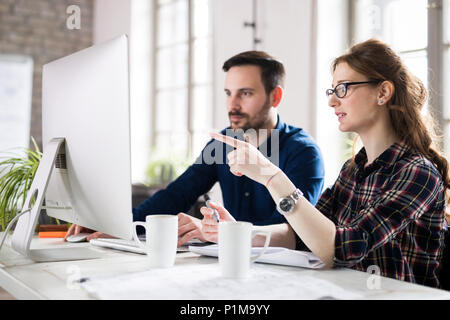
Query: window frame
(435, 61)
(190, 84)
(435, 66)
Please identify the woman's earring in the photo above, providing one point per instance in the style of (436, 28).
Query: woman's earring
(380, 101)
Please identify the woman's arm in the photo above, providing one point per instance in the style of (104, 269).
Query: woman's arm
(281, 235)
(316, 231)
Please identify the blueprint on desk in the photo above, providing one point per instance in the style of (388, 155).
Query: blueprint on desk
(205, 282)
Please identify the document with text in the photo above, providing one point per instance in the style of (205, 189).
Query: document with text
(273, 255)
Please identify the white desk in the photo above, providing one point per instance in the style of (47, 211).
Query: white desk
(25, 279)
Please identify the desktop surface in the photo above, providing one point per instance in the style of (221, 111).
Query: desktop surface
(193, 277)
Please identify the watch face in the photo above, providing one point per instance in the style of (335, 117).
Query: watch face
(286, 204)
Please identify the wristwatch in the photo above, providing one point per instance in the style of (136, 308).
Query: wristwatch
(287, 204)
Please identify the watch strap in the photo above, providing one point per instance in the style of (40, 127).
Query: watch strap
(295, 196)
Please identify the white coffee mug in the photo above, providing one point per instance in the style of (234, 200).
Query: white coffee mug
(235, 244)
(161, 232)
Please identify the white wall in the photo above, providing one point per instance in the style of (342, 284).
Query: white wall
(285, 28)
(111, 18)
(332, 38)
(288, 33)
(116, 17)
(229, 38)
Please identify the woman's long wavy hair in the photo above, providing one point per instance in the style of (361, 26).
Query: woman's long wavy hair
(376, 60)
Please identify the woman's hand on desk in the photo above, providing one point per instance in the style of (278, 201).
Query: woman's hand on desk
(210, 227)
(76, 229)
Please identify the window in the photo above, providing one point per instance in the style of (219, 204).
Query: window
(419, 31)
(182, 105)
(406, 33)
(332, 38)
(446, 74)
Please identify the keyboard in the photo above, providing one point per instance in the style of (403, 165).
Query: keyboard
(131, 246)
(118, 244)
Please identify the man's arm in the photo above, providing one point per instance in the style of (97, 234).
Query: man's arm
(305, 168)
(181, 194)
(178, 197)
(306, 171)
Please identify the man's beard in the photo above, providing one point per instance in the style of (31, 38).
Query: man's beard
(256, 123)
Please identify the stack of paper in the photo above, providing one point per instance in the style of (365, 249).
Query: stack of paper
(273, 255)
(205, 282)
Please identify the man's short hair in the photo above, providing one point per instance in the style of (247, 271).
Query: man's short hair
(272, 71)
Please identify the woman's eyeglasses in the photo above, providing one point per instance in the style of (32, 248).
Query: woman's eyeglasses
(341, 89)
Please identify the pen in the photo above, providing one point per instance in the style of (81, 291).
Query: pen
(215, 214)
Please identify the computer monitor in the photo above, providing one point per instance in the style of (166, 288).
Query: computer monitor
(85, 171)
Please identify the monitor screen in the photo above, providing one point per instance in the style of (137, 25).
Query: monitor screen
(85, 100)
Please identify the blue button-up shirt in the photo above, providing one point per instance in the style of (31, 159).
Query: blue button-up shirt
(299, 157)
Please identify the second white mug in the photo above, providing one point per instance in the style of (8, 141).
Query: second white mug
(161, 239)
(235, 243)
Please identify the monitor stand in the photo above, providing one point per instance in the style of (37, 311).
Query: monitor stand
(26, 224)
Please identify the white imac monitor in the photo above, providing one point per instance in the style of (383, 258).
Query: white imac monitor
(85, 172)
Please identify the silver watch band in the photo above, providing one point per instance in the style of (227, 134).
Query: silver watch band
(296, 194)
(287, 204)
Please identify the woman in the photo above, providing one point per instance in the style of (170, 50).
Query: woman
(387, 206)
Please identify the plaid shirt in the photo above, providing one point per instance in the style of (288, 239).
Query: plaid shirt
(390, 213)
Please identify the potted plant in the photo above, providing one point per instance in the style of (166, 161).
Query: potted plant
(164, 168)
(17, 172)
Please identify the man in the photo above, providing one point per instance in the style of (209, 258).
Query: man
(254, 90)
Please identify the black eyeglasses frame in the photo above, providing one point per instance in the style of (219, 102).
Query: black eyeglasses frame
(329, 92)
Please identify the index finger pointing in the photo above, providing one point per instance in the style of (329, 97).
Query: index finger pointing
(226, 139)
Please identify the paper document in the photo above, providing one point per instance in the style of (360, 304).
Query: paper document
(205, 282)
(273, 255)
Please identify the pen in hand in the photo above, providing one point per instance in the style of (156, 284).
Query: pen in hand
(215, 214)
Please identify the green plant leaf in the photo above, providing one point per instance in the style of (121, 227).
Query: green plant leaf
(13, 184)
(17, 172)
(28, 180)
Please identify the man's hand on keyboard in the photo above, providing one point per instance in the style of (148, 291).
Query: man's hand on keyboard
(76, 229)
(189, 228)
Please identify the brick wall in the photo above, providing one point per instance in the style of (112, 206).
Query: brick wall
(38, 28)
